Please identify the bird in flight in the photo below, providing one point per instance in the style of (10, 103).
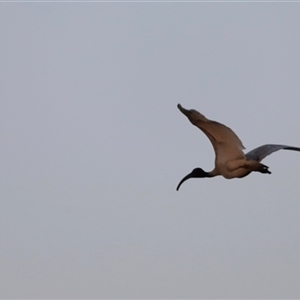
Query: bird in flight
(230, 160)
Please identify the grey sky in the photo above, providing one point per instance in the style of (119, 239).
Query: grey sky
(93, 147)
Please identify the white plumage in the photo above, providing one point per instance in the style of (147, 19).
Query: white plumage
(230, 161)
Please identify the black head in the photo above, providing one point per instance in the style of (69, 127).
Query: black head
(196, 173)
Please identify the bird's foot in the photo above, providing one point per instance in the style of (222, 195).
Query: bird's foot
(263, 169)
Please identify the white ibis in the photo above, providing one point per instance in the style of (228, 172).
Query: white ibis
(230, 161)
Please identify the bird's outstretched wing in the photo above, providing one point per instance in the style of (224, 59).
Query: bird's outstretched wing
(261, 152)
(215, 131)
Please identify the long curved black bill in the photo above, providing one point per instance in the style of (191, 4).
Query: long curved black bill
(188, 176)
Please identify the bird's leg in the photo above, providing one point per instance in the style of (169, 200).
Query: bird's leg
(257, 167)
(251, 165)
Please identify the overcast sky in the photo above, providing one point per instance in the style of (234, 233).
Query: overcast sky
(93, 147)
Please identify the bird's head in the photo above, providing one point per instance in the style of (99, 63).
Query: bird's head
(196, 173)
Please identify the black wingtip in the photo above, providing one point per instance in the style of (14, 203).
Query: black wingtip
(292, 148)
(183, 110)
